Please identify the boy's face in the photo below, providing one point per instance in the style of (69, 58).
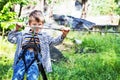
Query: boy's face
(37, 26)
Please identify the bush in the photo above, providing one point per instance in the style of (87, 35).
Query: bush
(99, 43)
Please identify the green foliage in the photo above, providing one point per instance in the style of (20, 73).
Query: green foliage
(87, 67)
(2, 3)
(103, 64)
(5, 16)
(96, 43)
(117, 45)
(6, 59)
(103, 7)
(118, 10)
(6, 68)
(23, 2)
(6, 48)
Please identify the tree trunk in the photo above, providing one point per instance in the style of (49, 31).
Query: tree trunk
(84, 8)
(21, 5)
(45, 6)
(42, 5)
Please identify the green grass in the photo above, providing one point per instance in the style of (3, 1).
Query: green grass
(6, 59)
(101, 64)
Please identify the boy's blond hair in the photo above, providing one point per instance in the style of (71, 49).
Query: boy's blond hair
(36, 15)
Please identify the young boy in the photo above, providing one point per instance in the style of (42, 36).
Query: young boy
(31, 45)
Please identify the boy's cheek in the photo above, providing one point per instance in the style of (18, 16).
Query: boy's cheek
(37, 30)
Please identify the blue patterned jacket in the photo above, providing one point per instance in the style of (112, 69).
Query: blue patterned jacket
(45, 42)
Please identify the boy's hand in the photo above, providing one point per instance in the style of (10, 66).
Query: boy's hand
(18, 26)
(65, 31)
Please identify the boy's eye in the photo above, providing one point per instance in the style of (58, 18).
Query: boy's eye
(34, 24)
(39, 24)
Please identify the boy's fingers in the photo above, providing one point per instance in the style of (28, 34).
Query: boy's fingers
(19, 24)
(65, 29)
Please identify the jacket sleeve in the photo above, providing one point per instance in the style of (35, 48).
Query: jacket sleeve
(13, 36)
(56, 40)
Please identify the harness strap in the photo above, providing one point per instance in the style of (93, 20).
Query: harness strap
(23, 58)
(30, 64)
(40, 66)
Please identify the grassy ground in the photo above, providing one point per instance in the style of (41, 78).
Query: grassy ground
(88, 65)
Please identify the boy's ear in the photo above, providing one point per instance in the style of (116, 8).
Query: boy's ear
(28, 23)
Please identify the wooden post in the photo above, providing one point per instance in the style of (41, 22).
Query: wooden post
(42, 5)
(20, 11)
(84, 9)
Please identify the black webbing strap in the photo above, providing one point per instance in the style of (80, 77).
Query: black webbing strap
(22, 56)
(40, 66)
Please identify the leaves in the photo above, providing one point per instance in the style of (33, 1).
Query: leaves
(103, 7)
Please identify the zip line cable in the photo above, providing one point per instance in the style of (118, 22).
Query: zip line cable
(59, 29)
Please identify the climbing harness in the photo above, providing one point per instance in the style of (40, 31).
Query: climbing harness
(32, 44)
